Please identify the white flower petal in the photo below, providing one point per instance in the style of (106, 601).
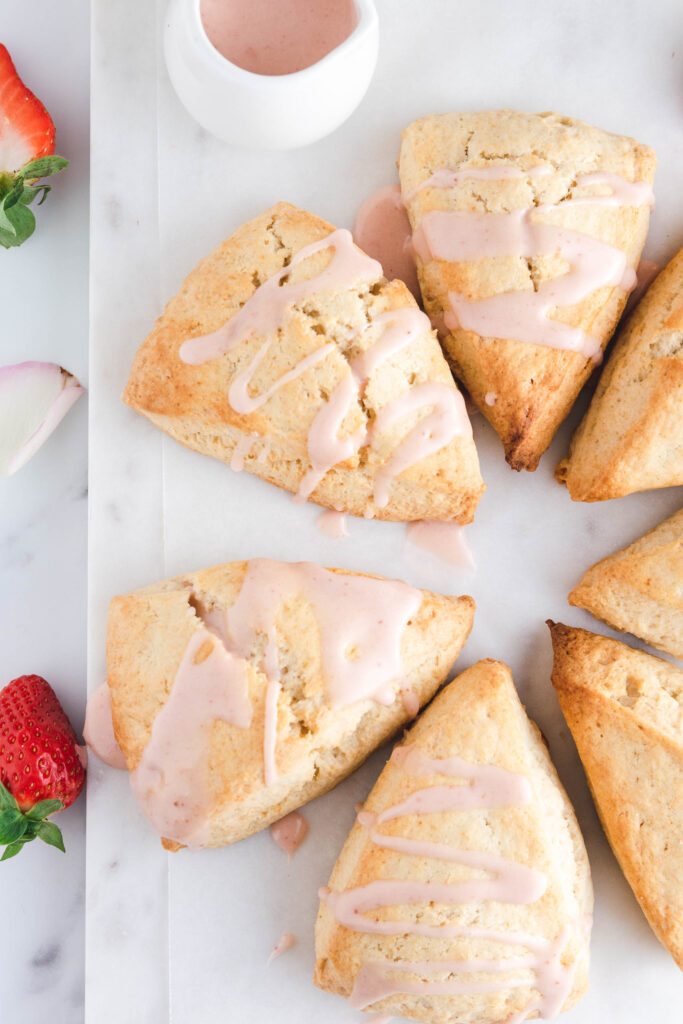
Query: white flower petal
(33, 399)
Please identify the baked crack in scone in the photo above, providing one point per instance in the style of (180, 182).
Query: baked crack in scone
(240, 692)
(625, 711)
(526, 229)
(631, 438)
(288, 354)
(640, 589)
(463, 891)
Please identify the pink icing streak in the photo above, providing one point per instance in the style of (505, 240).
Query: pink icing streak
(287, 942)
(382, 229)
(242, 449)
(445, 540)
(268, 307)
(170, 780)
(447, 419)
(509, 882)
(98, 731)
(332, 523)
(458, 235)
(361, 623)
(289, 832)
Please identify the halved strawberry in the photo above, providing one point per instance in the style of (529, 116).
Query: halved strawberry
(41, 769)
(27, 142)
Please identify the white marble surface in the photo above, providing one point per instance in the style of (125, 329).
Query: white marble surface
(44, 297)
(186, 937)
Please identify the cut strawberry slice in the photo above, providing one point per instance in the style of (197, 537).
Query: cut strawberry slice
(26, 128)
(27, 145)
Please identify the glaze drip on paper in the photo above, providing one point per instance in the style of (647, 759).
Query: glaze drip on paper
(289, 832)
(458, 235)
(478, 787)
(98, 731)
(441, 410)
(361, 623)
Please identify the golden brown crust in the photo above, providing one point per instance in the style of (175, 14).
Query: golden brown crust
(639, 589)
(625, 711)
(535, 386)
(317, 746)
(191, 402)
(631, 438)
(477, 717)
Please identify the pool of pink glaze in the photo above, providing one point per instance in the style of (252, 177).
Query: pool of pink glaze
(280, 38)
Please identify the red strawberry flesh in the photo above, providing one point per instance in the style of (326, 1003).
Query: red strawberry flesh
(39, 757)
(26, 129)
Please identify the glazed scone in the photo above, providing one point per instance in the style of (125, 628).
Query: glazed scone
(464, 874)
(631, 438)
(625, 711)
(240, 692)
(287, 353)
(526, 229)
(640, 589)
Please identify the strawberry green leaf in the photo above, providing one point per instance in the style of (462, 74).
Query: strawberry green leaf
(44, 167)
(14, 194)
(21, 226)
(43, 808)
(7, 801)
(50, 834)
(12, 826)
(12, 850)
(31, 191)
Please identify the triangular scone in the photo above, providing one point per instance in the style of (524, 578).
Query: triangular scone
(463, 891)
(314, 372)
(625, 711)
(242, 691)
(527, 228)
(640, 589)
(631, 438)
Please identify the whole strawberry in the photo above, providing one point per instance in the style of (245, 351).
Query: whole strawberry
(41, 771)
(27, 145)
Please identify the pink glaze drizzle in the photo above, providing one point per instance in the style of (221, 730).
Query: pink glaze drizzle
(458, 235)
(361, 623)
(241, 450)
(445, 540)
(170, 780)
(267, 308)
(287, 942)
(98, 731)
(289, 832)
(434, 431)
(488, 787)
(382, 230)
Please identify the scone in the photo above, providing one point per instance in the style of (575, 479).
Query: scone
(242, 691)
(640, 589)
(463, 891)
(631, 438)
(625, 711)
(288, 354)
(526, 229)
